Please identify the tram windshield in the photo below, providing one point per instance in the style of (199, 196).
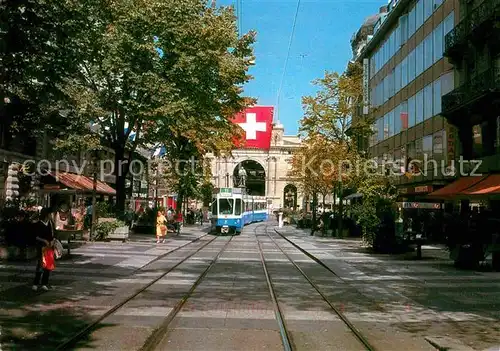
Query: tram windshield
(226, 206)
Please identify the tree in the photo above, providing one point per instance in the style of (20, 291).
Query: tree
(329, 114)
(40, 45)
(376, 210)
(316, 165)
(163, 71)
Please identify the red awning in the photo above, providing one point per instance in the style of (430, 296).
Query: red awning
(457, 187)
(82, 183)
(489, 186)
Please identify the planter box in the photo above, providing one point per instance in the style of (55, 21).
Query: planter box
(120, 233)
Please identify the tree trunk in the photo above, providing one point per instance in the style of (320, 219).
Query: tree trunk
(121, 172)
(314, 206)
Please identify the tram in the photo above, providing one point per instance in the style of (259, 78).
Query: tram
(232, 209)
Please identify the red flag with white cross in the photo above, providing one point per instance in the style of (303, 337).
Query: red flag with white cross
(257, 123)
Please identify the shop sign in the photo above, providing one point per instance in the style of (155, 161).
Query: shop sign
(422, 205)
(403, 191)
(366, 85)
(423, 189)
(450, 144)
(51, 187)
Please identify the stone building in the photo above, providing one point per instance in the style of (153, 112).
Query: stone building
(267, 170)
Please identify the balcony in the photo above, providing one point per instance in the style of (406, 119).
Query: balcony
(482, 17)
(470, 94)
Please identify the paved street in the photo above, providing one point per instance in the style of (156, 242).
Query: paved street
(393, 302)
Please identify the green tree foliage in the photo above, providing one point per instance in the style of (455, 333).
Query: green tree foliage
(170, 71)
(40, 43)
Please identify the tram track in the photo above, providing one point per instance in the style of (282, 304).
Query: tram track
(456, 325)
(358, 334)
(75, 338)
(284, 333)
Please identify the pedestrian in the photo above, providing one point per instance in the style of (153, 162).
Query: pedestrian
(161, 227)
(44, 231)
(178, 221)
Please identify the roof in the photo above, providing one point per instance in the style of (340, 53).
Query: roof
(390, 20)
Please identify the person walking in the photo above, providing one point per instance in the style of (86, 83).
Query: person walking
(161, 227)
(44, 231)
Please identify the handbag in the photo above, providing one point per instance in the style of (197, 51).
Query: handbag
(48, 261)
(163, 229)
(58, 249)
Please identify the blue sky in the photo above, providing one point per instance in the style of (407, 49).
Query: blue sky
(321, 42)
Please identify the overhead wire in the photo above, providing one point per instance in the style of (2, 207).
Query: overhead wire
(287, 57)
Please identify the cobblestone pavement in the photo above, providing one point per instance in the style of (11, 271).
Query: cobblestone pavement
(393, 301)
(421, 297)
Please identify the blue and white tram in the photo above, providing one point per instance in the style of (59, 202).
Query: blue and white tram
(232, 210)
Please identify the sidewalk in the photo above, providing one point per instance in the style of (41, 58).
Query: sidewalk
(429, 252)
(427, 297)
(93, 278)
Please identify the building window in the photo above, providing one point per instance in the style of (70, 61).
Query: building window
(438, 42)
(428, 8)
(419, 16)
(412, 112)
(397, 78)
(404, 72)
(437, 3)
(447, 83)
(373, 136)
(427, 146)
(391, 123)
(449, 23)
(380, 129)
(419, 59)
(428, 57)
(386, 126)
(436, 92)
(428, 105)
(419, 102)
(403, 115)
(411, 66)
(397, 119)
(411, 22)
(403, 29)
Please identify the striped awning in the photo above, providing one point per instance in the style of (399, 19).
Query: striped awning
(82, 183)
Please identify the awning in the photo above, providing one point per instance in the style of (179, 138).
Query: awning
(82, 183)
(489, 186)
(456, 187)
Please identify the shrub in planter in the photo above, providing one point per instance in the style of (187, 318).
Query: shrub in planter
(104, 229)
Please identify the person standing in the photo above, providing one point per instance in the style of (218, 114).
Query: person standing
(44, 231)
(161, 227)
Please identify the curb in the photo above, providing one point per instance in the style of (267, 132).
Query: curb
(445, 343)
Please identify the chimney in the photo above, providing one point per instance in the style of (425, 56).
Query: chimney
(383, 9)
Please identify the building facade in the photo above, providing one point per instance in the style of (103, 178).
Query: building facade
(267, 170)
(473, 106)
(405, 77)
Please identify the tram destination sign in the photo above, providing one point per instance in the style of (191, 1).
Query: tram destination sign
(226, 192)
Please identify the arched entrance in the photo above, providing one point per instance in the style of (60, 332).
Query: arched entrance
(255, 180)
(290, 197)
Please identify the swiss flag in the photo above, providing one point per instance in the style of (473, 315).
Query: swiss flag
(257, 122)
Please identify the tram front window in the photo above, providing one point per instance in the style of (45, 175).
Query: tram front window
(226, 206)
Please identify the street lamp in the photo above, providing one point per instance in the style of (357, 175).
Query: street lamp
(227, 180)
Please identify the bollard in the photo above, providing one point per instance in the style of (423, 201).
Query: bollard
(280, 221)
